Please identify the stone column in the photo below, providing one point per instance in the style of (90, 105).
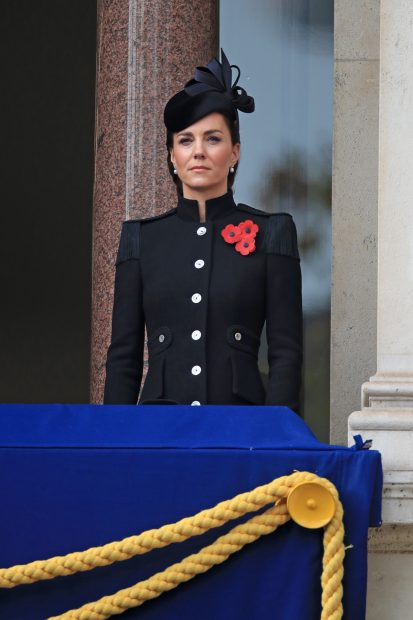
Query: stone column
(387, 399)
(354, 206)
(146, 50)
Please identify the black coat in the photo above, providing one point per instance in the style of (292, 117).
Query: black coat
(204, 305)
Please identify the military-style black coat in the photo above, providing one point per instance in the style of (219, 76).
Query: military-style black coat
(204, 305)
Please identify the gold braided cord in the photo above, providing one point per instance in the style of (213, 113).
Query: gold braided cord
(183, 571)
(333, 570)
(275, 492)
(129, 547)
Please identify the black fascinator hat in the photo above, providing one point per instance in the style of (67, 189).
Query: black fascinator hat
(210, 90)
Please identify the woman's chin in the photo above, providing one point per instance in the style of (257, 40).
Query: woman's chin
(203, 183)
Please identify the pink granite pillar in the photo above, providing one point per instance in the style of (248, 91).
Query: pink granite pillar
(146, 50)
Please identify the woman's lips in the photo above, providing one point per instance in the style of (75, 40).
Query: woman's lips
(199, 168)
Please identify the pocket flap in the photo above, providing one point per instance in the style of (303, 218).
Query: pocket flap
(242, 338)
(159, 340)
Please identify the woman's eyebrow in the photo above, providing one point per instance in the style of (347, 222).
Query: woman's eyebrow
(207, 132)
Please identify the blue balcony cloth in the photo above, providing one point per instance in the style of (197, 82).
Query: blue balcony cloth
(76, 476)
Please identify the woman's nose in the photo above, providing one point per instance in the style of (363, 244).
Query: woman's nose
(199, 148)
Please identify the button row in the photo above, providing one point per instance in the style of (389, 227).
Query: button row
(196, 298)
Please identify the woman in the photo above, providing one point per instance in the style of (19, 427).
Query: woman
(206, 275)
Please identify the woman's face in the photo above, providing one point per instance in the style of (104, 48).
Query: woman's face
(202, 155)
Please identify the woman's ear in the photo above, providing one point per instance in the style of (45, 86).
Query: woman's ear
(235, 152)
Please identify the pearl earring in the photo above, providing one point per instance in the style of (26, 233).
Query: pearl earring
(174, 170)
(232, 169)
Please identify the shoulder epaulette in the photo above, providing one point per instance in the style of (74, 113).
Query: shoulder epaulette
(281, 235)
(130, 238)
(130, 241)
(252, 210)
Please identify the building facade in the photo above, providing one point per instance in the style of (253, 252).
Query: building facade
(372, 224)
(145, 51)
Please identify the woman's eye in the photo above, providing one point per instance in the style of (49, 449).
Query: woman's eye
(184, 141)
(214, 139)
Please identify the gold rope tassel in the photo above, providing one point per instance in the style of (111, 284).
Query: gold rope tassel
(276, 492)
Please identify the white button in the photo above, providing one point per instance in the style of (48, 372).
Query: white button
(199, 263)
(237, 336)
(201, 230)
(195, 402)
(196, 370)
(161, 338)
(196, 334)
(196, 298)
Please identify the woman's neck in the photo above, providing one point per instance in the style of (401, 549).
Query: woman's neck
(202, 210)
(201, 198)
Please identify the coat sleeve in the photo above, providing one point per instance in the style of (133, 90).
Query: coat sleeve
(284, 316)
(124, 363)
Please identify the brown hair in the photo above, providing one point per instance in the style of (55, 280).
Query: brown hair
(233, 126)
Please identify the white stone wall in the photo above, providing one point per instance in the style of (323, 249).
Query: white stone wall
(372, 277)
(386, 412)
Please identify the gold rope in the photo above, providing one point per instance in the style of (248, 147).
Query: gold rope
(275, 492)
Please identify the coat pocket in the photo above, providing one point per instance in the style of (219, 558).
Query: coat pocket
(246, 379)
(158, 341)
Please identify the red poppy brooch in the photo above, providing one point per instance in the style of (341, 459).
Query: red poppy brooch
(243, 235)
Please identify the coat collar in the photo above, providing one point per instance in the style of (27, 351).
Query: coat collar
(215, 208)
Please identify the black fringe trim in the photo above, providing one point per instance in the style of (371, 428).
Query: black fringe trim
(281, 236)
(129, 245)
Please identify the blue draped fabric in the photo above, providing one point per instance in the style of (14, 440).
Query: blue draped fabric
(76, 476)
